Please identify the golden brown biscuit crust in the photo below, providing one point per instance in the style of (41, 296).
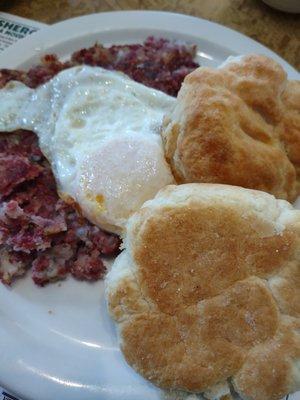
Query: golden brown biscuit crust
(289, 129)
(234, 125)
(198, 307)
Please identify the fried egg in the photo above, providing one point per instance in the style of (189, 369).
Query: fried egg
(100, 132)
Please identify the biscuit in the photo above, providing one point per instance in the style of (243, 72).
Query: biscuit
(239, 125)
(206, 291)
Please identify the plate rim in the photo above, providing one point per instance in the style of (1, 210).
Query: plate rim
(16, 52)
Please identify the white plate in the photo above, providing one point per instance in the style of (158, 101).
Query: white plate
(58, 342)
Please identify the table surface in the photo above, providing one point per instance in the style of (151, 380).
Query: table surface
(276, 30)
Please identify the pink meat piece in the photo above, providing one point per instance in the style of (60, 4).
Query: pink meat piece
(94, 237)
(7, 75)
(26, 232)
(40, 197)
(13, 264)
(37, 75)
(107, 243)
(22, 143)
(52, 265)
(88, 265)
(14, 170)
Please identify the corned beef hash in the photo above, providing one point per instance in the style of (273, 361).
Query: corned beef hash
(42, 217)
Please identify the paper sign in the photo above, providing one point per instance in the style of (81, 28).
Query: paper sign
(13, 28)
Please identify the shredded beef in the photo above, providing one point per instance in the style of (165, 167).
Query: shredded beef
(13, 264)
(53, 264)
(40, 230)
(21, 143)
(158, 63)
(15, 169)
(88, 266)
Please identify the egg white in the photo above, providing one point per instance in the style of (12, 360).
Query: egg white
(100, 132)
